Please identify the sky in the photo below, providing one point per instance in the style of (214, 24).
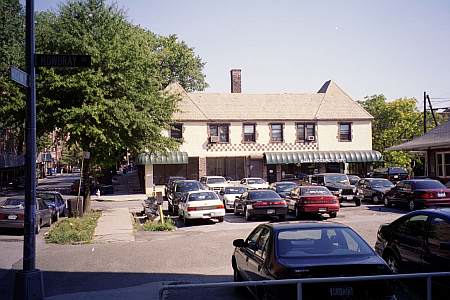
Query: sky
(397, 48)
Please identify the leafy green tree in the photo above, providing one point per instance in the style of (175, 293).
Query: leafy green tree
(117, 103)
(394, 122)
(12, 97)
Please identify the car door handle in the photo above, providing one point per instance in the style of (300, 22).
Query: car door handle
(246, 260)
(259, 268)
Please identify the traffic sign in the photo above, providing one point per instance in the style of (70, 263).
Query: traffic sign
(62, 60)
(19, 76)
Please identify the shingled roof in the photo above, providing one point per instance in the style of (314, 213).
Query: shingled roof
(438, 137)
(329, 103)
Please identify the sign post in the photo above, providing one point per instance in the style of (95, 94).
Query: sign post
(29, 282)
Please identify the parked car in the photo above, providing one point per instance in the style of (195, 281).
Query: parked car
(170, 183)
(229, 195)
(12, 214)
(373, 189)
(201, 205)
(182, 187)
(353, 179)
(338, 184)
(393, 174)
(418, 193)
(258, 203)
(291, 250)
(55, 202)
(214, 183)
(76, 170)
(283, 188)
(417, 242)
(254, 183)
(312, 200)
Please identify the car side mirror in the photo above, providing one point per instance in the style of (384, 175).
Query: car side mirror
(222, 193)
(237, 198)
(239, 243)
(445, 246)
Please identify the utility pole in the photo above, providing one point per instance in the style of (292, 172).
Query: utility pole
(432, 110)
(424, 112)
(29, 282)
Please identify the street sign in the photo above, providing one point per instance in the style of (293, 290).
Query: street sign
(19, 76)
(62, 60)
(87, 155)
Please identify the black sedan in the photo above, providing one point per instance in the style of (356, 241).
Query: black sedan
(373, 189)
(417, 242)
(292, 250)
(418, 193)
(259, 203)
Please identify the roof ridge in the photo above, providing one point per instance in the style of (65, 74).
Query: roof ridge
(320, 106)
(197, 106)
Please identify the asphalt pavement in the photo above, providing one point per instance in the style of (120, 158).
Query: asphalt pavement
(137, 269)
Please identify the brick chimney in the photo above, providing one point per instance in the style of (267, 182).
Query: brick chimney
(235, 80)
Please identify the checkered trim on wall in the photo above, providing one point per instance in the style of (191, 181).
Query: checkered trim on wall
(255, 147)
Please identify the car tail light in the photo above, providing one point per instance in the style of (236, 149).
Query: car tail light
(2, 216)
(427, 195)
(20, 217)
(261, 204)
(220, 206)
(192, 208)
(279, 202)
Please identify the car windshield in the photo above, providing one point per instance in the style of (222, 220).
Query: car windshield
(14, 202)
(338, 178)
(257, 195)
(318, 190)
(285, 187)
(234, 190)
(255, 181)
(203, 196)
(183, 187)
(216, 180)
(316, 242)
(429, 184)
(398, 170)
(353, 179)
(47, 197)
(382, 183)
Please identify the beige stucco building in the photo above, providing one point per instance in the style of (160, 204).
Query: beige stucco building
(264, 135)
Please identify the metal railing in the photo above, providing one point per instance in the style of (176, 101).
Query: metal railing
(300, 282)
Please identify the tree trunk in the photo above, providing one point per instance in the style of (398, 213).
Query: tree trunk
(87, 186)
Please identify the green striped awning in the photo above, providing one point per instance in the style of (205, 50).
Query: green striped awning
(168, 158)
(322, 157)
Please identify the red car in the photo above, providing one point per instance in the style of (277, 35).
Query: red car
(418, 193)
(312, 199)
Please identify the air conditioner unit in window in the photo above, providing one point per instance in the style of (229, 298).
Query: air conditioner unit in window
(311, 138)
(214, 139)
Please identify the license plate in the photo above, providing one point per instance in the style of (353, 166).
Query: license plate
(12, 217)
(441, 195)
(270, 211)
(348, 197)
(341, 291)
(395, 176)
(322, 209)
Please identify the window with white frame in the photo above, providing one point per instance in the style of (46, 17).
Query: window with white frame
(443, 164)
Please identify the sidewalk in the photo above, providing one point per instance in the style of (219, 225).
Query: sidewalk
(115, 225)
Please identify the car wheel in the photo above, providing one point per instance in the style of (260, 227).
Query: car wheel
(412, 205)
(393, 263)
(298, 214)
(57, 216)
(386, 202)
(237, 278)
(186, 221)
(375, 199)
(265, 295)
(220, 219)
(332, 214)
(358, 202)
(236, 213)
(248, 217)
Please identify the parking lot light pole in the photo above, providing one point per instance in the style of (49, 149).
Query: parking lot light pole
(28, 282)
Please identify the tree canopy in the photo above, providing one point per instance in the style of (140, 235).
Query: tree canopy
(394, 121)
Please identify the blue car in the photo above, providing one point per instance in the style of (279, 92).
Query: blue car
(55, 202)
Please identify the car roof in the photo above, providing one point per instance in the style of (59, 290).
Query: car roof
(47, 192)
(187, 180)
(200, 191)
(284, 182)
(324, 174)
(435, 211)
(261, 190)
(305, 224)
(214, 176)
(252, 178)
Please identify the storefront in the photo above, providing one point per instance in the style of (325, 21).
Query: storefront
(281, 165)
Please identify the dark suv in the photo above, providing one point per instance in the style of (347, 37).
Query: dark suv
(338, 184)
(180, 188)
(393, 174)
